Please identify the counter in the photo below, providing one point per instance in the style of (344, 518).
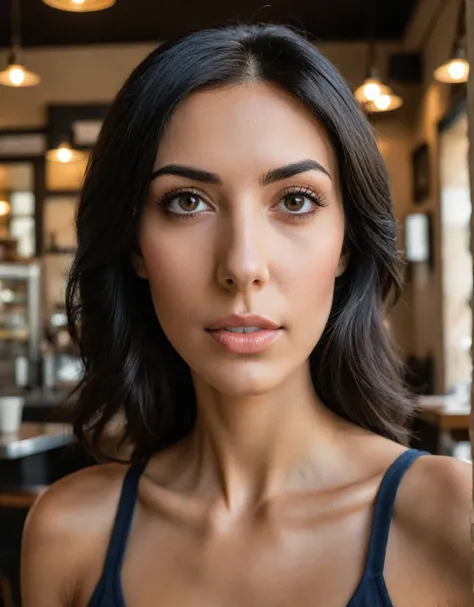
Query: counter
(33, 439)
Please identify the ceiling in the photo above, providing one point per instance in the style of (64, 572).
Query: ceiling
(155, 20)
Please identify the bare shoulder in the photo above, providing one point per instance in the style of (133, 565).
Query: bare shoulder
(433, 513)
(66, 534)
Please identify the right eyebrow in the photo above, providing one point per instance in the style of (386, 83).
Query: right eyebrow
(188, 172)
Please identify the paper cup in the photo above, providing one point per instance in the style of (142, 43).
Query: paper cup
(11, 411)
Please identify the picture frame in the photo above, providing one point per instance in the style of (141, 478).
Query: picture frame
(421, 173)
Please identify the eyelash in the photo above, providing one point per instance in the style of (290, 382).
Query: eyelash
(318, 201)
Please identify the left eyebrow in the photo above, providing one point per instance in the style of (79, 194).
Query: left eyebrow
(293, 169)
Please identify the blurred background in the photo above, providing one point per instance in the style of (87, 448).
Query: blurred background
(62, 63)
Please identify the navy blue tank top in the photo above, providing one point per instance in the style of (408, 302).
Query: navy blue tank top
(371, 592)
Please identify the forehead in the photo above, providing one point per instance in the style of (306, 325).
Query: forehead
(245, 125)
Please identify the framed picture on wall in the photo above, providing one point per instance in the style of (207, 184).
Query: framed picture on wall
(421, 173)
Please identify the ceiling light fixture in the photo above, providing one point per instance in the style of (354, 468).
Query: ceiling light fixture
(373, 94)
(371, 88)
(457, 68)
(80, 6)
(15, 74)
(386, 102)
(64, 153)
(4, 208)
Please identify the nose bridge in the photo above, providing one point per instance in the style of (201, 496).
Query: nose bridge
(243, 247)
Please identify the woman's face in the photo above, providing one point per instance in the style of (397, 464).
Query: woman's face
(244, 218)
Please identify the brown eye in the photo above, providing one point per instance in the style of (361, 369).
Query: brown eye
(295, 202)
(183, 203)
(188, 202)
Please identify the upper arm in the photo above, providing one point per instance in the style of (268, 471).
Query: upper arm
(435, 515)
(47, 560)
(66, 535)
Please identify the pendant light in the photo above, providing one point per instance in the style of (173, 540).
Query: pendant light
(372, 86)
(453, 71)
(15, 74)
(80, 6)
(373, 94)
(4, 207)
(64, 153)
(457, 68)
(386, 102)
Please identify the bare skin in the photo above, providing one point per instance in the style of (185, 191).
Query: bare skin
(269, 502)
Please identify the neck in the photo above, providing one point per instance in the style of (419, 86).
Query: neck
(254, 447)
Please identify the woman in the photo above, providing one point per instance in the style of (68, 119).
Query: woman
(236, 249)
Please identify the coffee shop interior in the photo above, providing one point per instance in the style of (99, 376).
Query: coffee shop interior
(62, 62)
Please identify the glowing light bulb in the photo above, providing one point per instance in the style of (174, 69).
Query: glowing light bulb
(4, 208)
(64, 154)
(16, 75)
(382, 102)
(371, 91)
(78, 1)
(457, 69)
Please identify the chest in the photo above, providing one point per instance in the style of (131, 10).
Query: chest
(268, 566)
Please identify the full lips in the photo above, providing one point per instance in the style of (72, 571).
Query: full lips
(246, 343)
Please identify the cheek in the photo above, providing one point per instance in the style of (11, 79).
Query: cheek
(310, 268)
(175, 273)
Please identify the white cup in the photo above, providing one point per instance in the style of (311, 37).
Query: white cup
(11, 411)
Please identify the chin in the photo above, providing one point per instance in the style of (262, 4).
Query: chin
(244, 378)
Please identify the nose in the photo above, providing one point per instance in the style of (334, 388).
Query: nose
(242, 257)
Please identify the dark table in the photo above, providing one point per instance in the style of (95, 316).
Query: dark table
(38, 454)
(441, 421)
(35, 455)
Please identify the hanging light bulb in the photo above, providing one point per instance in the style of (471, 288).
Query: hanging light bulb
(15, 74)
(386, 102)
(64, 153)
(370, 89)
(4, 208)
(455, 70)
(80, 6)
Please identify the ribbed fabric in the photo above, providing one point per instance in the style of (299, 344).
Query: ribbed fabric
(371, 592)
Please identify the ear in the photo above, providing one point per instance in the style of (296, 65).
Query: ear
(139, 265)
(342, 265)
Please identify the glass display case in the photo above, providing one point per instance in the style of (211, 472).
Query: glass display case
(20, 323)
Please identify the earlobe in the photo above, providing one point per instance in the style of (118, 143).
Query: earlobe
(342, 265)
(139, 266)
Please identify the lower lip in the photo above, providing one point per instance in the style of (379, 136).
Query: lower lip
(246, 343)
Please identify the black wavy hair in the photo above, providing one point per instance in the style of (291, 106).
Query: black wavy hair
(130, 366)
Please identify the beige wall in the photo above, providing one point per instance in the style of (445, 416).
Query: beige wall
(426, 298)
(395, 135)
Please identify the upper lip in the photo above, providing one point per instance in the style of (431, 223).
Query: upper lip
(251, 320)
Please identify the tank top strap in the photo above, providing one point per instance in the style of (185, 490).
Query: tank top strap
(384, 507)
(123, 520)
(119, 535)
